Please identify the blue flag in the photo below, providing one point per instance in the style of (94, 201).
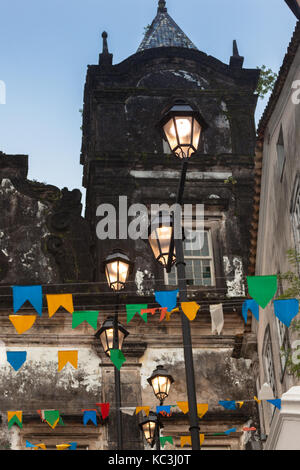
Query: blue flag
(163, 409)
(286, 310)
(73, 446)
(16, 358)
(229, 431)
(89, 415)
(167, 298)
(28, 444)
(276, 402)
(32, 293)
(251, 305)
(228, 405)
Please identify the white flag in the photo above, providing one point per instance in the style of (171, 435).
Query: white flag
(217, 318)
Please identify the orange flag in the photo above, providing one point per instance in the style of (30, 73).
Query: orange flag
(183, 405)
(168, 314)
(190, 309)
(140, 408)
(67, 356)
(55, 301)
(202, 408)
(185, 440)
(40, 446)
(62, 446)
(202, 437)
(22, 323)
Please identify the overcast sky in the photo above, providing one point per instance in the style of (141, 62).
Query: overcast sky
(46, 45)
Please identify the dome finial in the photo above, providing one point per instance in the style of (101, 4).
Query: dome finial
(162, 5)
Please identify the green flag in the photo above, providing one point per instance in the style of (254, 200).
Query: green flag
(91, 317)
(132, 309)
(163, 440)
(262, 288)
(15, 420)
(52, 417)
(117, 358)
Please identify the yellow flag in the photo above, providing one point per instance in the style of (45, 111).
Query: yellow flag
(22, 323)
(202, 437)
(62, 446)
(168, 314)
(40, 446)
(202, 408)
(185, 440)
(11, 414)
(67, 356)
(55, 301)
(240, 403)
(257, 400)
(140, 408)
(183, 405)
(190, 309)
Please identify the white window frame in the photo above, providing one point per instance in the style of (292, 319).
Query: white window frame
(209, 258)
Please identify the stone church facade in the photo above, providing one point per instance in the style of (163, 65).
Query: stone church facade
(45, 240)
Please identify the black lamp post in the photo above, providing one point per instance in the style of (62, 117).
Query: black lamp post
(160, 382)
(150, 428)
(182, 126)
(117, 268)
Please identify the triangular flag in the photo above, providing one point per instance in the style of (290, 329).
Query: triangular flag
(262, 288)
(276, 403)
(167, 299)
(251, 305)
(202, 437)
(217, 318)
(22, 323)
(249, 429)
(16, 358)
(163, 313)
(14, 417)
(229, 431)
(117, 358)
(257, 400)
(168, 314)
(228, 404)
(266, 392)
(40, 446)
(104, 409)
(146, 409)
(55, 301)
(183, 405)
(91, 317)
(240, 403)
(185, 440)
(52, 417)
(90, 415)
(190, 309)
(31, 293)
(62, 446)
(164, 410)
(73, 446)
(133, 309)
(67, 356)
(286, 310)
(165, 439)
(202, 409)
(28, 444)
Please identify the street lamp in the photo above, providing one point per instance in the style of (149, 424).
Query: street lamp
(106, 335)
(117, 267)
(160, 236)
(182, 126)
(161, 382)
(150, 428)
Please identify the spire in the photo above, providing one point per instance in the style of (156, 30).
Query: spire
(105, 58)
(236, 61)
(164, 32)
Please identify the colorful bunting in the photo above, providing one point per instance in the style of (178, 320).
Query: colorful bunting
(31, 293)
(228, 405)
(165, 439)
(217, 318)
(91, 317)
(16, 358)
(146, 409)
(132, 309)
(22, 323)
(183, 406)
(262, 288)
(286, 310)
(73, 446)
(52, 418)
(190, 309)
(62, 446)
(14, 417)
(185, 440)
(276, 403)
(164, 410)
(229, 431)
(67, 356)
(251, 305)
(55, 301)
(167, 299)
(117, 358)
(240, 403)
(104, 407)
(90, 415)
(249, 429)
(168, 314)
(202, 409)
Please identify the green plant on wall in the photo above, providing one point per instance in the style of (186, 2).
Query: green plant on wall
(266, 81)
